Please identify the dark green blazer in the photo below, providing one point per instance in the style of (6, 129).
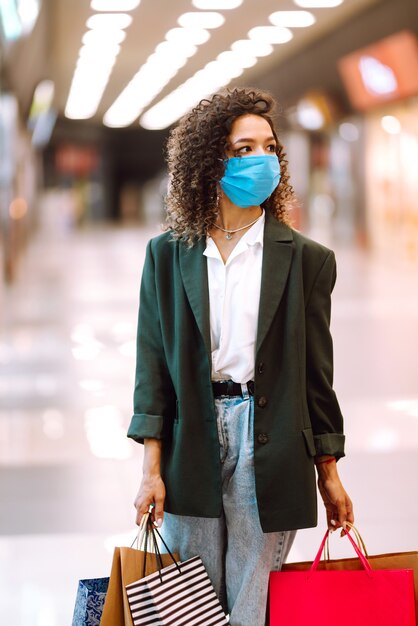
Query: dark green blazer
(296, 412)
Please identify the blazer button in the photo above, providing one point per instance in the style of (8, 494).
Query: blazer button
(261, 368)
(262, 438)
(262, 401)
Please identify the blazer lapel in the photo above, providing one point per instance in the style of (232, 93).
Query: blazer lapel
(277, 256)
(193, 268)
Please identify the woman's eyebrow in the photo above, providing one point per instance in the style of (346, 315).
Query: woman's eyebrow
(251, 139)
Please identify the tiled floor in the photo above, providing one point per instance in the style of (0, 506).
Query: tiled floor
(68, 474)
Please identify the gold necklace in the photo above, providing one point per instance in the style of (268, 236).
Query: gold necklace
(230, 232)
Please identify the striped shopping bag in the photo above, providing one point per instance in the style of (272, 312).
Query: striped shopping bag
(178, 595)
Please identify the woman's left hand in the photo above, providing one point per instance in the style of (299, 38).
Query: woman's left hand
(337, 503)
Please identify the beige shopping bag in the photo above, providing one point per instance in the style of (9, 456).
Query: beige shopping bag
(128, 567)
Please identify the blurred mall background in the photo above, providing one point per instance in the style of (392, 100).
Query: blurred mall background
(88, 92)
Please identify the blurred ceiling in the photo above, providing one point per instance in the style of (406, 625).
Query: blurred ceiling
(151, 21)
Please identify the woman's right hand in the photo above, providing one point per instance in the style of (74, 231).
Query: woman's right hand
(151, 491)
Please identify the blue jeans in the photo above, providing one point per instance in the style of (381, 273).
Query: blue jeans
(237, 554)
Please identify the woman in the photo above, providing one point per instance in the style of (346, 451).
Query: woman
(233, 396)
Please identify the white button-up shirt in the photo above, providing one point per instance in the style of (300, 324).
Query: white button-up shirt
(234, 295)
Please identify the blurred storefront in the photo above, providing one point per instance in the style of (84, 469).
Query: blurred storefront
(25, 119)
(76, 174)
(17, 186)
(325, 155)
(382, 82)
(354, 169)
(392, 181)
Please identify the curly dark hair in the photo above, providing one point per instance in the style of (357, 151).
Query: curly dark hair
(196, 150)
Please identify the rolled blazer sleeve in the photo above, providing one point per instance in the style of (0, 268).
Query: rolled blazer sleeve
(154, 396)
(324, 410)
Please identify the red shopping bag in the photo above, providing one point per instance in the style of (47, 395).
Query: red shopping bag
(364, 597)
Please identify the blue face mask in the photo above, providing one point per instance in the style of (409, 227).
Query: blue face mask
(250, 180)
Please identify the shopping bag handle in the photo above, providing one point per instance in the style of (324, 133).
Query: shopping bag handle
(147, 532)
(141, 539)
(361, 556)
(359, 540)
(152, 530)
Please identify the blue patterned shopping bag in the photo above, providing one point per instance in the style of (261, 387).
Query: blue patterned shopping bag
(91, 594)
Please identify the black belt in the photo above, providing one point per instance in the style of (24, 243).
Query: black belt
(229, 388)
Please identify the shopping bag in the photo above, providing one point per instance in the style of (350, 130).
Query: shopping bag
(89, 602)
(128, 565)
(362, 597)
(391, 561)
(176, 595)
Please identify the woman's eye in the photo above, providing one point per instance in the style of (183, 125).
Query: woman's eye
(271, 147)
(243, 150)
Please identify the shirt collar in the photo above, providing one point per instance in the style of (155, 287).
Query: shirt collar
(254, 235)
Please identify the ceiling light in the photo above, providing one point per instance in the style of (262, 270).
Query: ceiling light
(165, 112)
(221, 72)
(161, 66)
(236, 59)
(253, 47)
(109, 21)
(212, 77)
(271, 34)
(318, 4)
(96, 59)
(75, 111)
(89, 64)
(391, 124)
(292, 19)
(157, 69)
(98, 52)
(196, 36)
(169, 108)
(87, 87)
(217, 5)
(109, 37)
(140, 91)
(121, 116)
(164, 66)
(114, 5)
(196, 19)
(184, 50)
